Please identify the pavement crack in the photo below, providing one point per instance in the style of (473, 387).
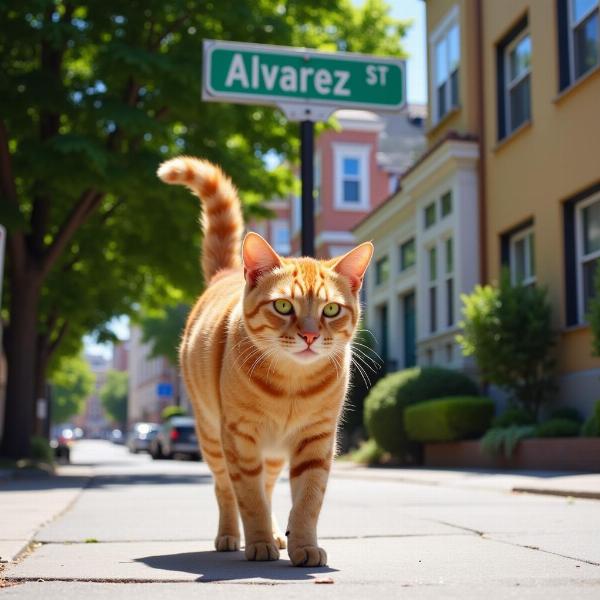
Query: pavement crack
(538, 549)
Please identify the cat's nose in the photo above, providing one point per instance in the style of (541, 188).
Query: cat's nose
(309, 336)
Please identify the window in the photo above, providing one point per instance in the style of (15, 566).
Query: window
(432, 277)
(514, 79)
(522, 257)
(430, 215)
(588, 247)
(582, 251)
(446, 204)
(382, 270)
(578, 38)
(584, 38)
(449, 280)
(351, 177)
(446, 53)
(408, 256)
(281, 237)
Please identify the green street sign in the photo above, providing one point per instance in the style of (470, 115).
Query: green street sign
(305, 79)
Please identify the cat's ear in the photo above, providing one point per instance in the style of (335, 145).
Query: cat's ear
(354, 264)
(258, 257)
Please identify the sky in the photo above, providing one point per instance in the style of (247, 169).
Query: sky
(415, 46)
(416, 67)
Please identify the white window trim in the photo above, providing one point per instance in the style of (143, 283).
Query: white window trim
(446, 277)
(580, 256)
(362, 152)
(451, 19)
(431, 284)
(572, 26)
(529, 278)
(509, 85)
(400, 244)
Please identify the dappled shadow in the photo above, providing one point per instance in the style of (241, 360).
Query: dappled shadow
(231, 566)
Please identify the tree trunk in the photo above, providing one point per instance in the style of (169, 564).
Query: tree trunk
(21, 356)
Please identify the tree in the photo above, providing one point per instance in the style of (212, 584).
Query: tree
(72, 382)
(93, 95)
(163, 330)
(113, 395)
(508, 330)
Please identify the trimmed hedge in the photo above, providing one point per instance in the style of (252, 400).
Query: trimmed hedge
(558, 428)
(385, 404)
(591, 427)
(448, 419)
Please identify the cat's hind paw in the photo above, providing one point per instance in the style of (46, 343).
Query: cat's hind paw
(227, 543)
(262, 551)
(308, 556)
(280, 540)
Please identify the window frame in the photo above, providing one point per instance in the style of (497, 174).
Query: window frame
(522, 234)
(509, 85)
(441, 33)
(432, 204)
(362, 152)
(580, 257)
(402, 268)
(448, 276)
(433, 288)
(571, 26)
(379, 261)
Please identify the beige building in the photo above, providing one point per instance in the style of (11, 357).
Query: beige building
(511, 178)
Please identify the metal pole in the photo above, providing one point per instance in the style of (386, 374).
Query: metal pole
(307, 130)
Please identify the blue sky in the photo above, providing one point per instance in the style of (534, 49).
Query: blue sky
(414, 44)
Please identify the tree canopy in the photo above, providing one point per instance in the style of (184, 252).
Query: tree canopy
(72, 382)
(113, 395)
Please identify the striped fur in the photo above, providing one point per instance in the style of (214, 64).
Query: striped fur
(259, 397)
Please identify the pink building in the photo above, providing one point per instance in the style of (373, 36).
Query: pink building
(357, 166)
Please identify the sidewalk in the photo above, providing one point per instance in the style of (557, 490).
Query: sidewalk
(551, 483)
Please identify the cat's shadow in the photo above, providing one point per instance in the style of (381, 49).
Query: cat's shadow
(232, 566)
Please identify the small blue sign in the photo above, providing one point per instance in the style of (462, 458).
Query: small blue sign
(164, 390)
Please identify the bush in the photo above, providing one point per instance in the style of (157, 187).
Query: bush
(40, 449)
(557, 428)
(508, 330)
(169, 412)
(513, 416)
(566, 412)
(448, 419)
(504, 440)
(369, 453)
(385, 404)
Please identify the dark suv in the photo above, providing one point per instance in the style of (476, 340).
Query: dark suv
(176, 437)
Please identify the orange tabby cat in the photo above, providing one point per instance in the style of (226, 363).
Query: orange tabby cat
(265, 356)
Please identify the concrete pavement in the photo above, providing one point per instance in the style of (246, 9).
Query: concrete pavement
(131, 527)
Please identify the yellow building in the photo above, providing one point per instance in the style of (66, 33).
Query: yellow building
(511, 178)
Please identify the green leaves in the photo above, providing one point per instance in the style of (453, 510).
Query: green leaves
(113, 396)
(72, 382)
(508, 330)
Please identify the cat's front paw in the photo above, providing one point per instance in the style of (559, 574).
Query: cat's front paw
(227, 543)
(308, 556)
(262, 551)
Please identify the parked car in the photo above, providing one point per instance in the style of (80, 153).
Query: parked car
(116, 436)
(140, 437)
(176, 437)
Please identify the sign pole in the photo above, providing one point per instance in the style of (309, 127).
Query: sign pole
(307, 131)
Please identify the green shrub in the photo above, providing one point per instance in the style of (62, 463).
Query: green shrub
(40, 449)
(557, 428)
(567, 412)
(369, 453)
(385, 404)
(448, 419)
(513, 416)
(504, 440)
(591, 427)
(508, 330)
(169, 412)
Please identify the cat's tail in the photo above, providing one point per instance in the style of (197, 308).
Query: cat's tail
(222, 221)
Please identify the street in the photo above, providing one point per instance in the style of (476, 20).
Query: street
(136, 523)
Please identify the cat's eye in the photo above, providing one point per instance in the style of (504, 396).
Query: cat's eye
(283, 307)
(332, 309)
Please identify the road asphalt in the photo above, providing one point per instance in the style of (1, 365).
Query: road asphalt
(117, 525)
